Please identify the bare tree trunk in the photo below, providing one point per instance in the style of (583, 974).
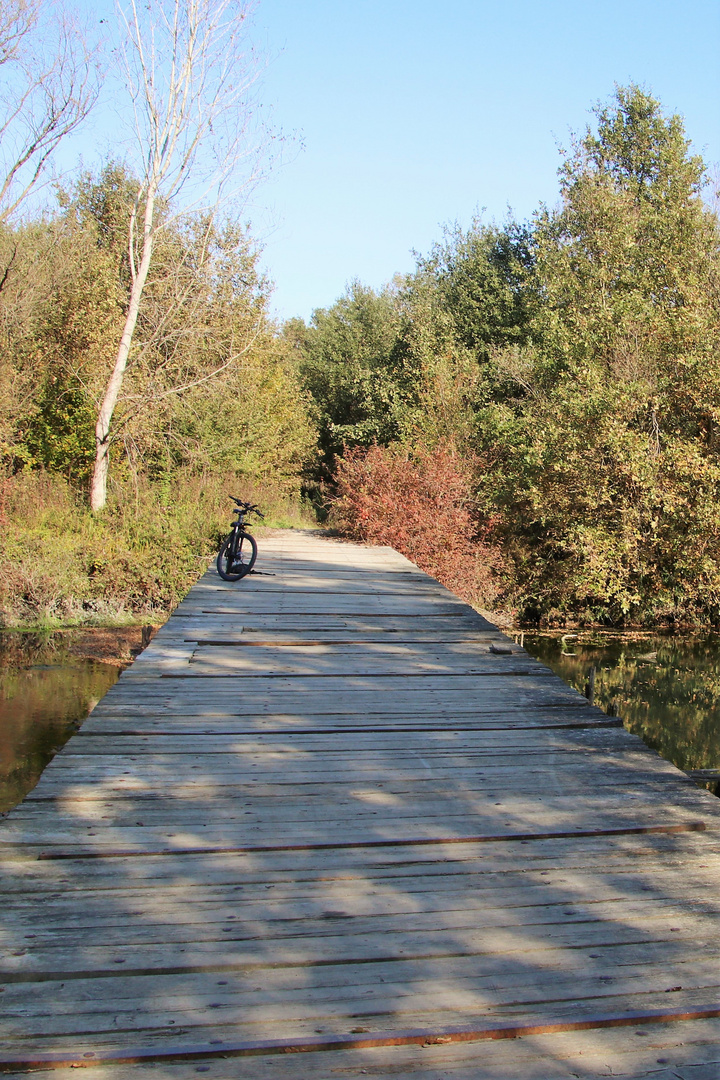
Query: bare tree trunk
(98, 485)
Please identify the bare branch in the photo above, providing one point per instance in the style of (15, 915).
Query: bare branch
(140, 402)
(49, 85)
(189, 72)
(17, 19)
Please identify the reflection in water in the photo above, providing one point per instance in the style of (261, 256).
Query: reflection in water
(44, 696)
(666, 689)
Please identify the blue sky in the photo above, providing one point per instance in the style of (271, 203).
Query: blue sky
(409, 116)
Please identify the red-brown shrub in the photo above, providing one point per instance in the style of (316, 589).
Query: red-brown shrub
(421, 504)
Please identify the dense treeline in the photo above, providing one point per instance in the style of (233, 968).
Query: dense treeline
(573, 361)
(533, 414)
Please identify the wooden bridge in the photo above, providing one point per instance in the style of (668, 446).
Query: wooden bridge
(332, 823)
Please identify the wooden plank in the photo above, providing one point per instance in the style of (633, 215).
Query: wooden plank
(660, 1053)
(301, 916)
(541, 688)
(446, 739)
(539, 947)
(169, 723)
(358, 1037)
(396, 627)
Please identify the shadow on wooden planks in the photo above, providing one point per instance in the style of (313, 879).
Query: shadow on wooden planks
(333, 809)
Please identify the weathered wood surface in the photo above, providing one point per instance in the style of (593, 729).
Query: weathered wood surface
(331, 809)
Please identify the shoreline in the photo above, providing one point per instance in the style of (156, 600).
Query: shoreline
(114, 645)
(120, 645)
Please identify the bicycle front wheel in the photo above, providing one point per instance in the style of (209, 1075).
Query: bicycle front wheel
(234, 561)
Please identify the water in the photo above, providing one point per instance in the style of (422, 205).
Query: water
(666, 689)
(45, 693)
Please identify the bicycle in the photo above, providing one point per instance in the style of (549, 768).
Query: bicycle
(238, 551)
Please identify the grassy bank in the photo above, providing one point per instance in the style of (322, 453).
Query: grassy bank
(62, 566)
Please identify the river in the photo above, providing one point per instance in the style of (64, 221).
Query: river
(49, 683)
(665, 688)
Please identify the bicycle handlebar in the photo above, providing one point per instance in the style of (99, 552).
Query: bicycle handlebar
(247, 507)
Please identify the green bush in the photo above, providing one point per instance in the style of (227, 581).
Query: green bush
(60, 565)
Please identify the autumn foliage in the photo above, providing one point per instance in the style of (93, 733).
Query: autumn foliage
(421, 504)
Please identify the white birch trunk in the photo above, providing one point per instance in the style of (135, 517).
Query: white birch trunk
(98, 486)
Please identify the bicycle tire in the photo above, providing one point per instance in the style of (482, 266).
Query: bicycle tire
(229, 560)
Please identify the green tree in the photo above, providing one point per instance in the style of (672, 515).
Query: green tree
(625, 263)
(607, 462)
(413, 362)
(264, 432)
(485, 283)
(347, 362)
(73, 276)
(468, 301)
(209, 386)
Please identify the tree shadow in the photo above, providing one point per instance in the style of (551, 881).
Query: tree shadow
(220, 861)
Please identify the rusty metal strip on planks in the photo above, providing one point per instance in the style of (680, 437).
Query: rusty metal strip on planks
(607, 722)
(454, 610)
(541, 672)
(300, 642)
(310, 1044)
(250, 849)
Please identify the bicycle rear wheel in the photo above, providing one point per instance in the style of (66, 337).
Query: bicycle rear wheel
(235, 560)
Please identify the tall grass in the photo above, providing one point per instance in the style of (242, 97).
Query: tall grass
(62, 566)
